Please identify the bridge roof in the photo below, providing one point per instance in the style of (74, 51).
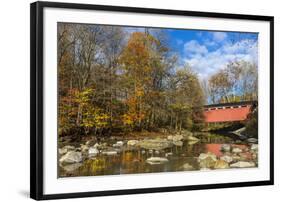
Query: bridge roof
(254, 102)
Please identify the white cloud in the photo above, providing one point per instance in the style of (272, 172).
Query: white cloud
(219, 36)
(193, 47)
(209, 63)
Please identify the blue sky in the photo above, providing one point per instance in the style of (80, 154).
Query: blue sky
(208, 51)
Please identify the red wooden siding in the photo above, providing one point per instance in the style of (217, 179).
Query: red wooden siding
(213, 115)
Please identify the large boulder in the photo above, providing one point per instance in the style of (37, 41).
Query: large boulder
(155, 144)
(207, 160)
(243, 164)
(71, 157)
(156, 160)
(175, 138)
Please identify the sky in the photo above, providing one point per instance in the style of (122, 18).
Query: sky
(208, 51)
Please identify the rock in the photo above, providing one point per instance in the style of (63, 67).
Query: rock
(143, 151)
(69, 148)
(155, 144)
(89, 142)
(132, 142)
(226, 158)
(203, 156)
(118, 144)
(187, 166)
(255, 147)
(252, 140)
(150, 151)
(62, 151)
(237, 150)
(178, 143)
(221, 164)
(245, 156)
(84, 148)
(169, 154)
(93, 151)
(175, 138)
(156, 160)
(207, 160)
(235, 157)
(157, 152)
(192, 138)
(71, 157)
(243, 164)
(225, 148)
(192, 142)
(72, 167)
(110, 153)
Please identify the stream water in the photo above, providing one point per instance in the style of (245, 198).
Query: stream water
(129, 161)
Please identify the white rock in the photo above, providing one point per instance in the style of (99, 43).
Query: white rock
(110, 153)
(236, 150)
(192, 138)
(132, 142)
(156, 160)
(169, 154)
(225, 147)
(252, 140)
(226, 158)
(93, 151)
(255, 147)
(204, 156)
(178, 143)
(62, 151)
(84, 148)
(243, 164)
(71, 157)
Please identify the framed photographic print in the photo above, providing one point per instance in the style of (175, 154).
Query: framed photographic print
(134, 100)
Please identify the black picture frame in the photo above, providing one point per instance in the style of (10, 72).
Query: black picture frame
(36, 98)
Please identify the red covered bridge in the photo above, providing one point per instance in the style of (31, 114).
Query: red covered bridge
(228, 112)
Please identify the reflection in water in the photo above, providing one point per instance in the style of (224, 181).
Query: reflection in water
(133, 160)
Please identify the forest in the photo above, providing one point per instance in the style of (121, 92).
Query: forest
(112, 81)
